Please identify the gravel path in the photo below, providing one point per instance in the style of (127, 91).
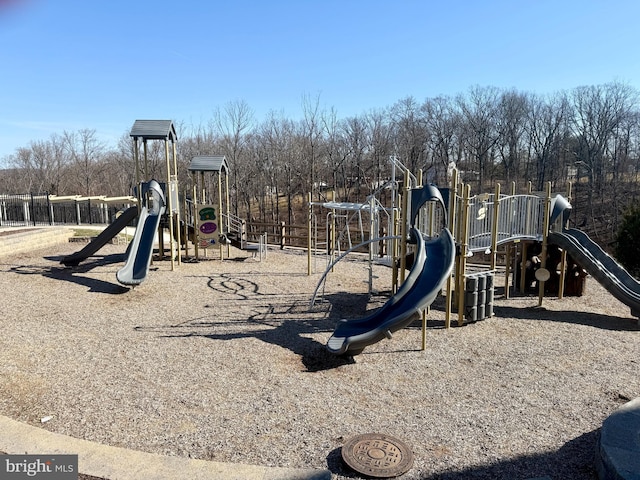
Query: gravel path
(225, 361)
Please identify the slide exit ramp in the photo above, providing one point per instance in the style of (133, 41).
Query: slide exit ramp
(611, 275)
(141, 249)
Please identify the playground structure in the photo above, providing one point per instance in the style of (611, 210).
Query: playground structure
(484, 225)
(396, 235)
(208, 216)
(153, 205)
(206, 223)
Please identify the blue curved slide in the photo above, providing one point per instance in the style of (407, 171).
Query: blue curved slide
(100, 241)
(611, 275)
(432, 266)
(141, 249)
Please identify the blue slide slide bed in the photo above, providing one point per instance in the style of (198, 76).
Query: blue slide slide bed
(433, 263)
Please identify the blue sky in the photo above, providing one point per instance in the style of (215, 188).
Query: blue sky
(100, 65)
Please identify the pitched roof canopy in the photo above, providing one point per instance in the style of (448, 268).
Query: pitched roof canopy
(154, 130)
(209, 163)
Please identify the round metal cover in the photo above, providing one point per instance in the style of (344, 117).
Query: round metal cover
(377, 455)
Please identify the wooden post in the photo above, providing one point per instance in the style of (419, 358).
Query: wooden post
(545, 236)
(403, 226)
(309, 215)
(463, 254)
(452, 221)
(494, 227)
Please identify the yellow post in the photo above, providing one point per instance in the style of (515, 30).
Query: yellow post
(228, 207)
(309, 233)
(146, 159)
(403, 226)
(463, 254)
(221, 246)
(332, 232)
(196, 243)
(394, 245)
(170, 204)
(136, 156)
(545, 236)
(177, 207)
(563, 258)
(494, 227)
(452, 221)
(424, 330)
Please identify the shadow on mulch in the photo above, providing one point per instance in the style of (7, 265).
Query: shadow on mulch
(575, 460)
(605, 322)
(75, 274)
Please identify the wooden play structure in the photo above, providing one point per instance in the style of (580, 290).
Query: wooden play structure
(499, 230)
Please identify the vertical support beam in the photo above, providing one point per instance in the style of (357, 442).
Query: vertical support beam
(403, 226)
(394, 242)
(452, 222)
(226, 189)
(146, 159)
(523, 266)
(177, 207)
(372, 206)
(170, 203)
(463, 254)
(494, 227)
(220, 245)
(545, 237)
(136, 159)
(563, 259)
(309, 215)
(511, 252)
(424, 329)
(196, 241)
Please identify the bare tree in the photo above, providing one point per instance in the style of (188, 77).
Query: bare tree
(410, 133)
(479, 133)
(441, 120)
(335, 150)
(85, 152)
(548, 118)
(512, 124)
(311, 135)
(599, 111)
(233, 123)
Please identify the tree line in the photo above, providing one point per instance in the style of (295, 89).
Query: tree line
(589, 135)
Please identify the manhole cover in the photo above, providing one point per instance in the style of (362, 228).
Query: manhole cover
(377, 455)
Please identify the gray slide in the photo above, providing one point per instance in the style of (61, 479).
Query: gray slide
(141, 249)
(432, 266)
(600, 266)
(100, 241)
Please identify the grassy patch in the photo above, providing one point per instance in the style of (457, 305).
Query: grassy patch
(92, 232)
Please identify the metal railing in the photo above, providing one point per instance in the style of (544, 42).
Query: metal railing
(19, 210)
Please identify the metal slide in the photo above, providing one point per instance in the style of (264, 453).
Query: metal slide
(600, 266)
(141, 249)
(432, 266)
(101, 240)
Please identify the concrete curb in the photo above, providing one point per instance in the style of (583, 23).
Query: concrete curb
(116, 463)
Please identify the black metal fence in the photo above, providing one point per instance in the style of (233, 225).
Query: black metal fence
(39, 210)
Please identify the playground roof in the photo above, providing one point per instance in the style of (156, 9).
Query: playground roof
(209, 163)
(154, 130)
